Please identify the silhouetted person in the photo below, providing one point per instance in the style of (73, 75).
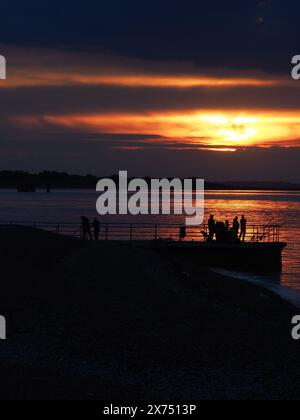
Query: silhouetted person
(227, 224)
(243, 228)
(221, 233)
(96, 229)
(211, 228)
(86, 228)
(231, 235)
(236, 227)
(204, 234)
(182, 233)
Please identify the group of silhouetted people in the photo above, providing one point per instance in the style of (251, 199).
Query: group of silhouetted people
(86, 229)
(224, 233)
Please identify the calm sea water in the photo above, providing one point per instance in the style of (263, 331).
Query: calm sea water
(260, 207)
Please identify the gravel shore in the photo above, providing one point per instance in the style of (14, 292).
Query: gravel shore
(114, 321)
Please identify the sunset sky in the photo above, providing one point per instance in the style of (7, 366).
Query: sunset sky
(168, 88)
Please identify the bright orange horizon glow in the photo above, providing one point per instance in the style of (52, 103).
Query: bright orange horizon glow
(227, 129)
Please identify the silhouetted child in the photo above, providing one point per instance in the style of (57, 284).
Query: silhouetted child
(236, 227)
(227, 224)
(211, 228)
(182, 233)
(221, 232)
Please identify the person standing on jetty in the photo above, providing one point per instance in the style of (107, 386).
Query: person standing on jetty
(227, 224)
(243, 228)
(86, 228)
(96, 229)
(236, 227)
(211, 228)
(182, 233)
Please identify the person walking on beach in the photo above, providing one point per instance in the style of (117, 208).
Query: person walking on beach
(243, 228)
(236, 227)
(86, 228)
(211, 228)
(96, 229)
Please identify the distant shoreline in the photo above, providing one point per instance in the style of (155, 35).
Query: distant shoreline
(61, 180)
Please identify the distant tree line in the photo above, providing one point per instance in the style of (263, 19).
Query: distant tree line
(56, 180)
(17, 179)
(46, 179)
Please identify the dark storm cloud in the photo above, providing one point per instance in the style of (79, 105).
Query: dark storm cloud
(239, 34)
(109, 99)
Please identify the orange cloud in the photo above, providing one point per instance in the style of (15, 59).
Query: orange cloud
(228, 129)
(134, 80)
(39, 67)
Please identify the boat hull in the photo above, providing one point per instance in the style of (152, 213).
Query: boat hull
(248, 256)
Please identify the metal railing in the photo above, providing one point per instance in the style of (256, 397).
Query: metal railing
(152, 232)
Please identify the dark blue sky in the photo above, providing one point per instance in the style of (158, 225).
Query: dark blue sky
(243, 33)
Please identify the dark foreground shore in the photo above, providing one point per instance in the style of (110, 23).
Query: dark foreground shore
(112, 321)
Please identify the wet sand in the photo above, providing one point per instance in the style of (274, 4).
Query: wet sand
(113, 321)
